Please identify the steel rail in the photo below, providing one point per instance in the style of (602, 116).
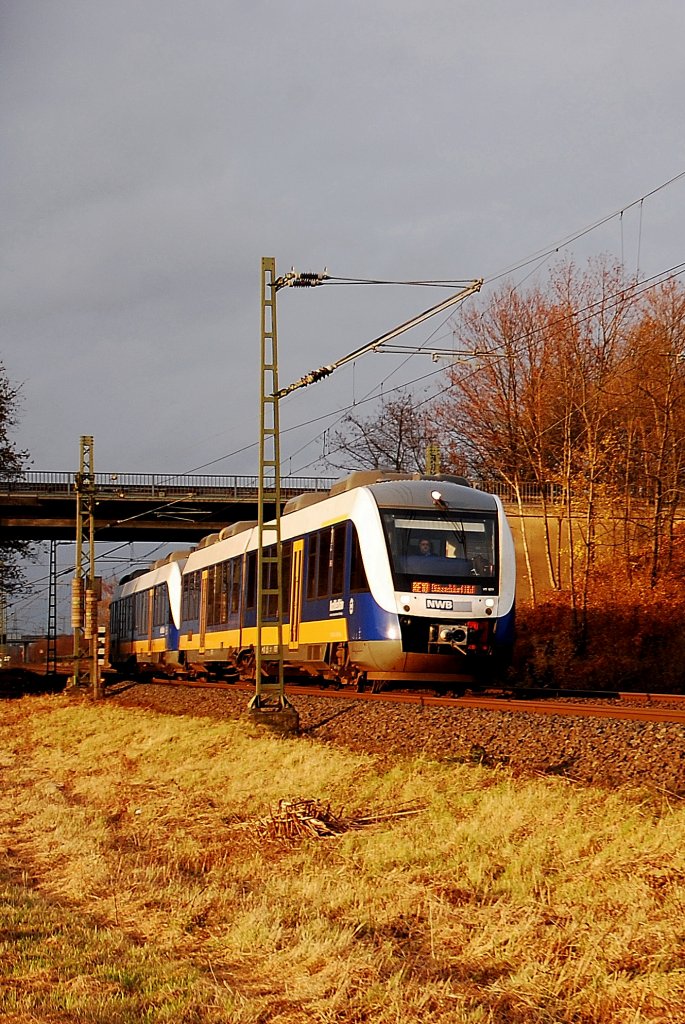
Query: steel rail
(647, 707)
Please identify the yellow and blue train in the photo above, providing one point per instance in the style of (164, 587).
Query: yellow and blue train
(386, 578)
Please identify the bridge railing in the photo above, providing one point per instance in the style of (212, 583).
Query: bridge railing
(156, 485)
(160, 485)
(530, 493)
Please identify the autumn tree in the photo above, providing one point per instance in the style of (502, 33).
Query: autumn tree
(537, 402)
(493, 416)
(657, 463)
(592, 316)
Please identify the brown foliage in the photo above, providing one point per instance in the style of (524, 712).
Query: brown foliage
(635, 635)
(579, 390)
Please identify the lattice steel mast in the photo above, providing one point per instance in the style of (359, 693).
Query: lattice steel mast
(269, 693)
(51, 653)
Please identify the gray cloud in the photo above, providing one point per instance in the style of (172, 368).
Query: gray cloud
(155, 152)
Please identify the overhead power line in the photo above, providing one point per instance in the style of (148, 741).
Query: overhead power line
(569, 239)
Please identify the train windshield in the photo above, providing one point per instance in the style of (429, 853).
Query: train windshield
(442, 552)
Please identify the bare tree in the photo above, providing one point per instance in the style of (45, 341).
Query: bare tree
(12, 465)
(395, 438)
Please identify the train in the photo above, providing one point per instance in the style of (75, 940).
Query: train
(387, 579)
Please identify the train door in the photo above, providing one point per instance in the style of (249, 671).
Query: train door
(150, 616)
(296, 593)
(204, 587)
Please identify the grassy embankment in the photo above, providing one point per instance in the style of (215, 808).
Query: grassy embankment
(134, 887)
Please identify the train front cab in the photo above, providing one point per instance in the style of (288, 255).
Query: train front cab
(448, 565)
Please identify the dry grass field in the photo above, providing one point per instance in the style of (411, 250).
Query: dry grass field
(144, 878)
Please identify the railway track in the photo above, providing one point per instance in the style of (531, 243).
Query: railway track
(638, 707)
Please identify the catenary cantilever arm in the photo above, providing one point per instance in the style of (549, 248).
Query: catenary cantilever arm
(324, 371)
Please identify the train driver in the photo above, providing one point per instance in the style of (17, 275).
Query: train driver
(425, 548)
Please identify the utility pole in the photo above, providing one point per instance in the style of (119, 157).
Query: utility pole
(85, 585)
(433, 459)
(269, 694)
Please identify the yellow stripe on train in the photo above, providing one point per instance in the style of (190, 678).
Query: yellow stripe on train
(320, 632)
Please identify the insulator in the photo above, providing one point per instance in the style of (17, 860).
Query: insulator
(91, 624)
(76, 603)
(307, 280)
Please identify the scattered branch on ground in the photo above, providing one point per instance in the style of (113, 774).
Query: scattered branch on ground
(303, 818)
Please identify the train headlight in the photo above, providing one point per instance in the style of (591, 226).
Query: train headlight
(439, 500)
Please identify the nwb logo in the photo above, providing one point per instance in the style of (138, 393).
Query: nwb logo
(441, 604)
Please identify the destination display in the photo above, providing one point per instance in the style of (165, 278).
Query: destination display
(423, 587)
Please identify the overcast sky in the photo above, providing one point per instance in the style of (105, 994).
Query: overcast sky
(155, 150)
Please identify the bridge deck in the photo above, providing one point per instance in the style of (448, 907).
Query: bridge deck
(136, 506)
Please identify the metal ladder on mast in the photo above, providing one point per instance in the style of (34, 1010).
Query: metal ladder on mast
(269, 693)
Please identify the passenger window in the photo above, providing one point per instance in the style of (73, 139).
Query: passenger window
(236, 580)
(193, 596)
(211, 597)
(160, 614)
(358, 581)
(251, 596)
(285, 581)
(225, 588)
(311, 566)
(324, 563)
(338, 559)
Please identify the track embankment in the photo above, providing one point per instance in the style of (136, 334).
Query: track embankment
(603, 751)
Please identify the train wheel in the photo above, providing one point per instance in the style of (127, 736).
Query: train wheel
(345, 672)
(246, 665)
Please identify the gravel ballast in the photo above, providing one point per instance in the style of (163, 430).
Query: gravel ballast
(603, 751)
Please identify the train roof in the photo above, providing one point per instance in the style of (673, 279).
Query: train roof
(393, 489)
(162, 571)
(419, 493)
